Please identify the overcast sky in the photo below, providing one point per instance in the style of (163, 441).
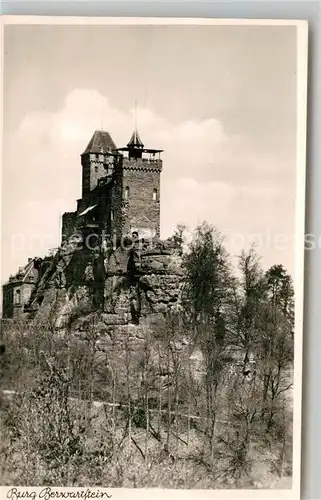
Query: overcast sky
(220, 101)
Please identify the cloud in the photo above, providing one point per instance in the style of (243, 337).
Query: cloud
(207, 173)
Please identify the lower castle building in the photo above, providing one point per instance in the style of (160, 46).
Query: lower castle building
(17, 291)
(120, 198)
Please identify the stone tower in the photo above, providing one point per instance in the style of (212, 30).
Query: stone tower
(141, 170)
(120, 191)
(95, 160)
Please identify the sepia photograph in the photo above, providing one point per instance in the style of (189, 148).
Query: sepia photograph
(152, 240)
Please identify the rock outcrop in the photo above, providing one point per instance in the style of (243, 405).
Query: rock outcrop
(129, 285)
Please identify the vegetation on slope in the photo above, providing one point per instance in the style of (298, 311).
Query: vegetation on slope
(203, 400)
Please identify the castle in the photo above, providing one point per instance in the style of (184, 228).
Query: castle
(120, 190)
(120, 198)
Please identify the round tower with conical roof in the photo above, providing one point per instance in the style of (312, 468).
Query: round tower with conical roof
(94, 160)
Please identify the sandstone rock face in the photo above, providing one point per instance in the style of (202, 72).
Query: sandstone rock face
(131, 285)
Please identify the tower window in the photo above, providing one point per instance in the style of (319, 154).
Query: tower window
(155, 194)
(112, 215)
(126, 194)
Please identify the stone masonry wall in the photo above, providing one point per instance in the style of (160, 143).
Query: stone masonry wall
(93, 169)
(85, 162)
(116, 201)
(141, 210)
(68, 224)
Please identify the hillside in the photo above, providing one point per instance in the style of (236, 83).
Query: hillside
(149, 366)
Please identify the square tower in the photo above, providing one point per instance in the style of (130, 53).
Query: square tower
(141, 171)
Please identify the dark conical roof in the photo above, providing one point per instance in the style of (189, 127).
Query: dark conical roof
(101, 142)
(135, 140)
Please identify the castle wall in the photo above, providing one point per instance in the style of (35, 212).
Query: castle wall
(85, 162)
(69, 220)
(95, 167)
(81, 205)
(12, 308)
(7, 301)
(25, 292)
(117, 203)
(103, 210)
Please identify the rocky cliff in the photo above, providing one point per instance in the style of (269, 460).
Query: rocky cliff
(129, 285)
